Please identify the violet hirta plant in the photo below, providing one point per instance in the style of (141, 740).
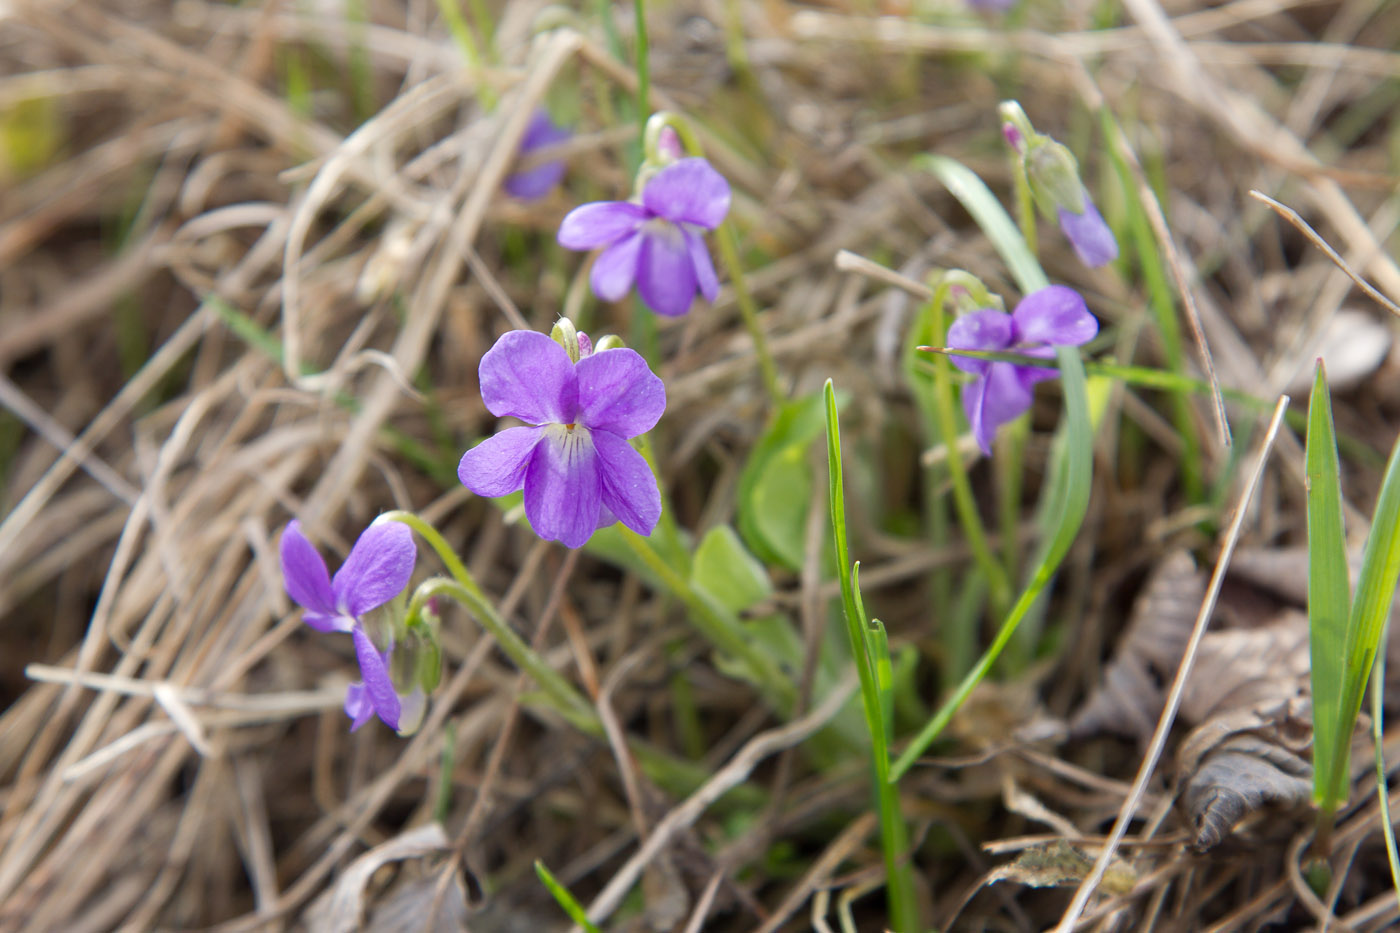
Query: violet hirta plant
(395, 655)
(534, 182)
(1052, 174)
(581, 405)
(656, 240)
(1054, 316)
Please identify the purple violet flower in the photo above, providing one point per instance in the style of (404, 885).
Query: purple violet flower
(1093, 242)
(658, 243)
(1055, 316)
(536, 182)
(573, 460)
(378, 568)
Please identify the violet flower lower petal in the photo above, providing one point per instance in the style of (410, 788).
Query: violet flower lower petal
(1090, 236)
(378, 568)
(1055, 315)
(496, 466)
(357, 706)
(562, 493)
(307, 580)
(704, 266)
(987, 329)
(374, 667)
(615, 269)
(993, 400)
(665, 274)
(618, 392)
(688, 191)
(600, 223)
(526, 375)
(629, 487)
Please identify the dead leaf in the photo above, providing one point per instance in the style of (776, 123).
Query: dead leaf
(341, 909)
(1130, 696)
(1059, 864)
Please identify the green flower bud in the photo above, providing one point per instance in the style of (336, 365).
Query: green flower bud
(1054, 177)
(608, 342)
(566, 335)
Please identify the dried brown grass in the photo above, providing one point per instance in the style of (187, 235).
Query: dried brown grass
(181, 759)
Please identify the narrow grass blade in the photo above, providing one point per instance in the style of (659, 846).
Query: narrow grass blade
(871, 653)
(1329, 598)
(974, 195)
(565, 899)
(1070, 502)
(1382, 787)
(1375, 591)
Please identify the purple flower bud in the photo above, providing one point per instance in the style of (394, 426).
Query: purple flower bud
(1093, 242)
(657, 244)
(536, 182)
(1055, 316)
(572, 459)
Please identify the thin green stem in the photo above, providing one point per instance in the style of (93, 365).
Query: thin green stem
(998, 587)
(643, 67)
(569, 701)
(728, 251)
(729, 255)
(1025, 204)
(445, 552)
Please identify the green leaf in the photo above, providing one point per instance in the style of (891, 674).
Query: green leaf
(565, 900)
(1329, 598)
(775, 486)
(1375, 592)
(728, 572)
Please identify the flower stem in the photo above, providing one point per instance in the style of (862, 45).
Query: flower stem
(729, 255)
(569, 701)
(728, 252)
(445, 553)
(643, 67)
(998, 588)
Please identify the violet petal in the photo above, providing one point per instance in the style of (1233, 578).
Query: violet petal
(629, 487)
(1091, 238)
(378, 568)
(689, 191)
(305, 574)
(562, 492)
(536, 182)
(496, 466)
(618, 392)
(704, 266)
(987, 329)
(357, 706)
(993, 400)
(600, 223)
(378, 687)
(1055, 315)
(665, 274)
(528, 376)
(615, 269)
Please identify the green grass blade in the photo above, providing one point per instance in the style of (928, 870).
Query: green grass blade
(1329, 598)
(1375, 591)
(565, 899)
(974, 195)
(869, 651)
(1071, 502)
(1382, 788)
